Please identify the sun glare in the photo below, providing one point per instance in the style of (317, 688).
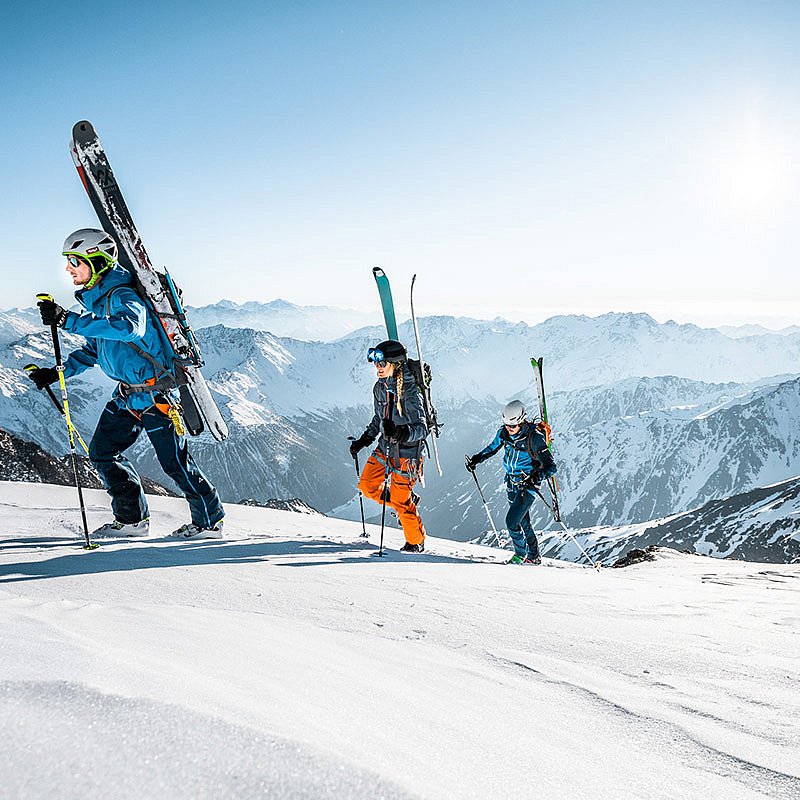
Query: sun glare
(755, 171)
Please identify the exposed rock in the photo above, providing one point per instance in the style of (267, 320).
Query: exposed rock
(26, 461)
(636, 556)
(293, 504)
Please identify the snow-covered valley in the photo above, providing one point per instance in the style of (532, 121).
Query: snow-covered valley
(288, 661)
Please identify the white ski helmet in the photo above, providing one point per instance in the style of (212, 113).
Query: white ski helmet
(95, 246)
(514, 413)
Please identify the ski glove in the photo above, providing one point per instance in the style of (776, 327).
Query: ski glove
(52, 313)
(357, 444)
(549, 471)
(470, 462)
(43, 377)
(394, 432)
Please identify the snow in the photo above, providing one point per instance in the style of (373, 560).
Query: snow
(286, 662)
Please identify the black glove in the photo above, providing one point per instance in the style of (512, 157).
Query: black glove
(357, 444)
(52, 313)
(43, 376)
(533, 480)
(393, 432)
(470, 462)
(547, 463)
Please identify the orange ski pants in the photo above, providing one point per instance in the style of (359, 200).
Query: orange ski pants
(370, 484)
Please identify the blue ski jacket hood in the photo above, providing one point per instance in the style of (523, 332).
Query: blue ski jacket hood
(114, 318)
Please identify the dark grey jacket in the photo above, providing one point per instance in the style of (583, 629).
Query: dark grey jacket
(412, 415)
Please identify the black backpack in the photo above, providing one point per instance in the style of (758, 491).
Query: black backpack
(423, 376)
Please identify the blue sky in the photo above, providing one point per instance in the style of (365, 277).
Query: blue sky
(524, 159)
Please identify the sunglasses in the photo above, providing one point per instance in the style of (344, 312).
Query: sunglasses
(74, 261)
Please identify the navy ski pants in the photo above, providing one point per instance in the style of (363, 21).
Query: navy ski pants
(518, 522)
(116, 431)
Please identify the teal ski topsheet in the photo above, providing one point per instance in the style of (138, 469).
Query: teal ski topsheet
(387, 304)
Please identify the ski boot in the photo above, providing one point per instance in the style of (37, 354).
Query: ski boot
(117, 528)
(412, 548)
(192, 531)
(516, 559)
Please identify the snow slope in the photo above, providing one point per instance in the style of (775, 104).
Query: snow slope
(285, 662)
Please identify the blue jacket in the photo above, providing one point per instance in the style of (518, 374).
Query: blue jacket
(412, 415)
(518, 461)
(114, 317)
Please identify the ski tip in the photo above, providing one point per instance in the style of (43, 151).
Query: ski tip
(378, 272)
(83, 130)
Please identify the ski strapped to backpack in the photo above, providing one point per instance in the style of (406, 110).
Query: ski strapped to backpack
(154, 285)
(423, 376)
(420, 370)
(544, 425)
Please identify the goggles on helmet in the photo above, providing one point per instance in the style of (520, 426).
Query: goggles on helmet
(375, 356)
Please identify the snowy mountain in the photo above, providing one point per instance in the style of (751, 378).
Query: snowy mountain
(16, 323)
(738, 331)
(287, 662)
(759, 525)
(630, 449)
(307, 323)
(652, 459)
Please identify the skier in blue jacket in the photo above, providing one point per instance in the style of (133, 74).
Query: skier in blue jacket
(527, 461)
(125, 340)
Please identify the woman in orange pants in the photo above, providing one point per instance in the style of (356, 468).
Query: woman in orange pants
(400, 423)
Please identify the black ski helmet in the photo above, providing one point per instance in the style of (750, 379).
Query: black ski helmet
(390, 350)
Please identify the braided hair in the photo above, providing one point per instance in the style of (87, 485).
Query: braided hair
(399, 380)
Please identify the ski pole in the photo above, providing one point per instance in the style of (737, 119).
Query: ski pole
(52, 396)
(557, 517)
(386, 491)
(485, 504)
(364, 533)
(70, 427)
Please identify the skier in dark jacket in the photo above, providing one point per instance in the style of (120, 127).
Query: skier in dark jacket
(527, 461)
(125, 340)
(399, 421)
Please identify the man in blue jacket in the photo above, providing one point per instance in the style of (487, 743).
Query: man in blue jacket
(123, 339)
(527, 461)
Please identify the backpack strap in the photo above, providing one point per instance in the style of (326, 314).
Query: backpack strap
(163, 380)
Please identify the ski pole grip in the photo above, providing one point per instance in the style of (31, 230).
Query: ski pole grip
(54, 331)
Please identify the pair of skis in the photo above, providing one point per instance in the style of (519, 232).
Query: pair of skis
(390, 320)
(154, 283)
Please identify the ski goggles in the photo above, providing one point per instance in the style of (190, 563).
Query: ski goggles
(375, 356)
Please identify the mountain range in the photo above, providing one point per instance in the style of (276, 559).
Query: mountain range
(649, 419)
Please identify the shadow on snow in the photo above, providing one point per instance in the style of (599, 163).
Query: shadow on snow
(196, 553)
